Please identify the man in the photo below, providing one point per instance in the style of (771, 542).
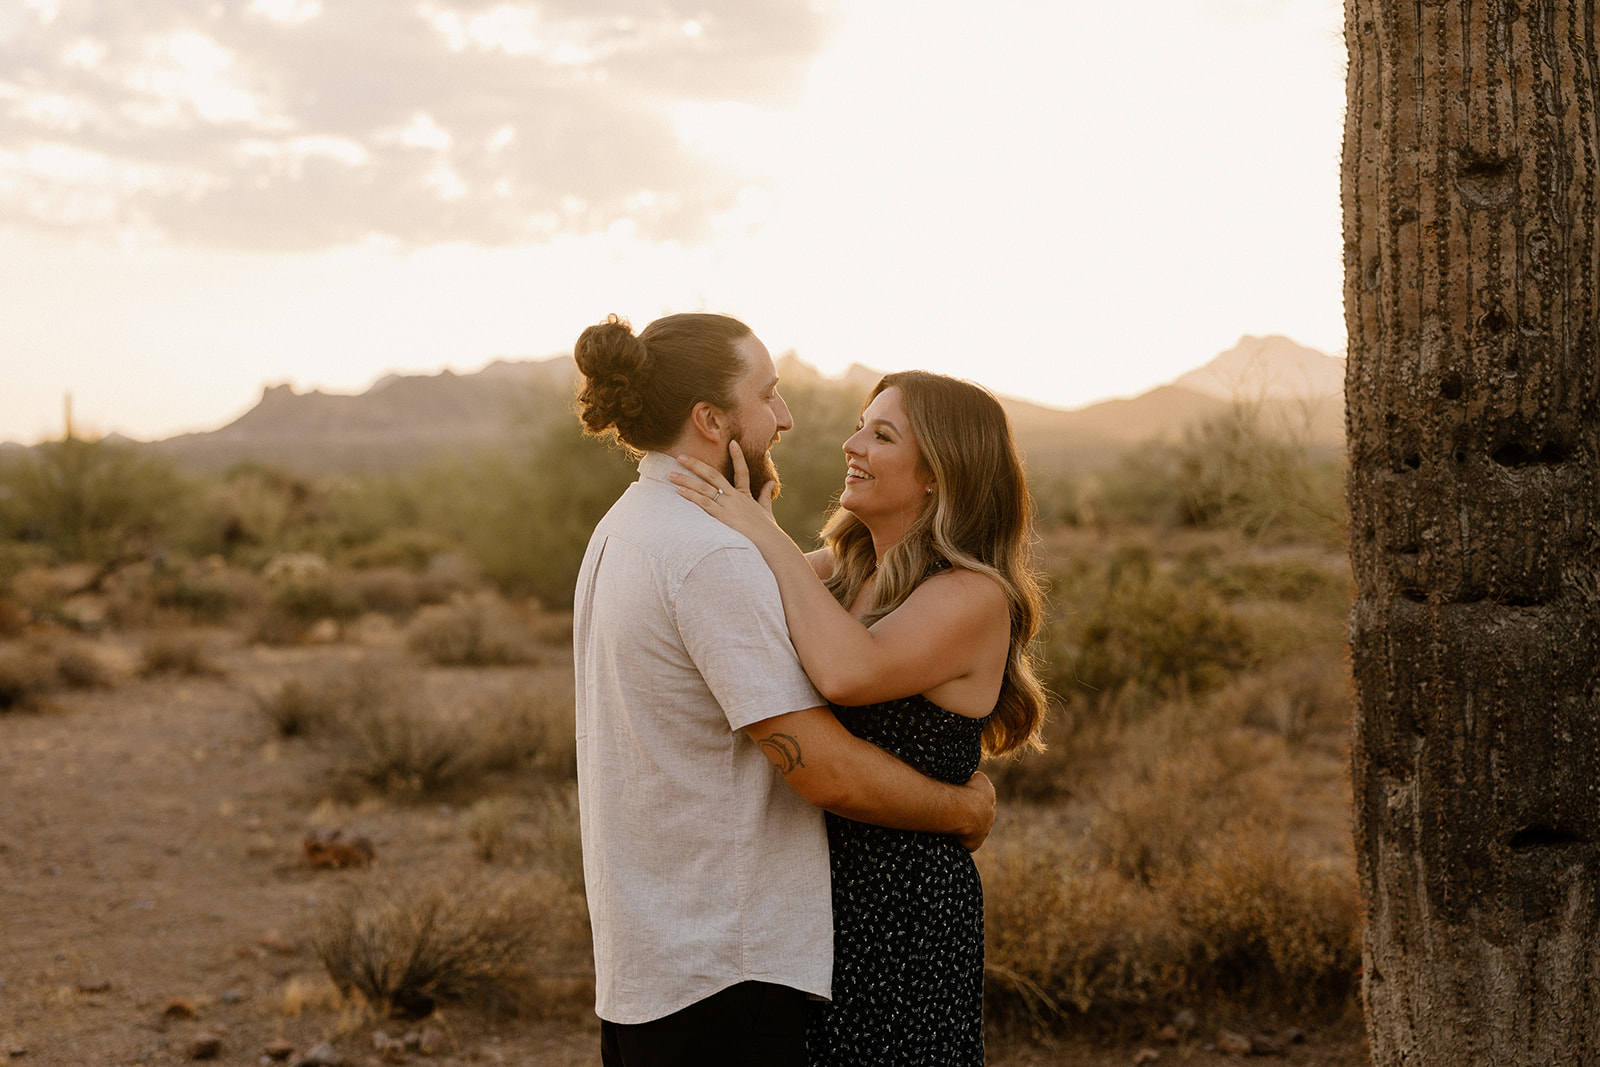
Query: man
(704, 752)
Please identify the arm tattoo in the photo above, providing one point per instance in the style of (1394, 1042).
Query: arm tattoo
(784, 751)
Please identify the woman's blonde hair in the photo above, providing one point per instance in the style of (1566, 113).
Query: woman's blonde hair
(980, 518)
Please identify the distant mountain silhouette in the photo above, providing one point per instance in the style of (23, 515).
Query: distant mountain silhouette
(403, 420)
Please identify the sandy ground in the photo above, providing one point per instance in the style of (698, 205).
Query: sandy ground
(153, 887)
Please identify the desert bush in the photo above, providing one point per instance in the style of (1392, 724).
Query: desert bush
(1304, 696)
(31, 669)
(79, 667)
(1129, 631)
(94, 500)
(479, 631)
(402, 746)
(407, 949)
(297, 707)
(26, 674)
(531, 729)
(13, 618)
(489, 822)
(394, 591)
(175, 653)
(1246, 926)
(1235, 472)
(408, 548)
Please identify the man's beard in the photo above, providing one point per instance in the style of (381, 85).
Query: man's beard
(759, 463)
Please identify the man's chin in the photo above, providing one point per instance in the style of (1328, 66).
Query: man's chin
(762, 471)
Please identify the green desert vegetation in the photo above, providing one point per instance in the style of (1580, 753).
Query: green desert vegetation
(1180, 848)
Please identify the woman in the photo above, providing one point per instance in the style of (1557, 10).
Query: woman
(918, 633)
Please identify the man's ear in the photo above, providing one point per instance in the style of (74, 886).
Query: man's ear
(710, 422)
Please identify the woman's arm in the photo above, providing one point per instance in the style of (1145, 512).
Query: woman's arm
(950, 624)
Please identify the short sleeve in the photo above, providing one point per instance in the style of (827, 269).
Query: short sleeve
(730, 616)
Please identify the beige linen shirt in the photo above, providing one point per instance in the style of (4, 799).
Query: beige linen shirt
(702, 867)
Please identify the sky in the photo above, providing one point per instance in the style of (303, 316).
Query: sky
(1064, 200)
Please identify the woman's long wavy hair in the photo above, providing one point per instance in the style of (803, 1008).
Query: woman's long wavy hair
(980, 517)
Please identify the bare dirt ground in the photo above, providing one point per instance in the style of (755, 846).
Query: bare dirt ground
(154, 888)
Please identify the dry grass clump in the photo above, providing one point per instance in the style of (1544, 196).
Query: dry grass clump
(175, 653)
(25, 676)
(410, 948)
(387, 734)
(298, 707)
(480, 631)
(530, 728)
(540, 831)
(33, 668)
(386, 730)
(1175, 885)
(1245, 926)
(13, 618)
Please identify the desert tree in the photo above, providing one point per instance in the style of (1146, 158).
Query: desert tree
(1471, 175)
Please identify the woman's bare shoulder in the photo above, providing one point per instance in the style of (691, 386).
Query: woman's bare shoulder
(821, 563)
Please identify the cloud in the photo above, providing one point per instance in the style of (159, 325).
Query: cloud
(298, 124)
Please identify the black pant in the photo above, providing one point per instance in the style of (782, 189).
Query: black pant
(752, 1024)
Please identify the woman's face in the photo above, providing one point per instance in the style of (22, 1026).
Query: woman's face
(885, 480)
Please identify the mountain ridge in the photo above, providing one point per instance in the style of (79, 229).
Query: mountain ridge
(402, 420)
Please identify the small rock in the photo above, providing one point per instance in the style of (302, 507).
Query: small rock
(1145, 1055)
(336, 851)
(430, 1041)
(1167, 1035)
(94, 985)
(278, 1049)
(274, 941)
(178, 1008)
(1185, 1021)
(323, 632)
(1265, 1045)
(321, 1054)
(231, 996)
(16, 1052)
(1232, 1044)
(1293, 1035)
(205, 1046)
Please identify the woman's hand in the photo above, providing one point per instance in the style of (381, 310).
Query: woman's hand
(732, 505)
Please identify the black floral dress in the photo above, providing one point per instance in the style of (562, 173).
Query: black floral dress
(907, 914)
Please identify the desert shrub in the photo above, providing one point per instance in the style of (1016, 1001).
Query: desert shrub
(312, 601)
(407, 548)
(488, 824)
(1247, 926)
(94, 500)
(1129, 631)
(407, 949)
(32, 668)
(19, 556)
(559, 841)
(479, 631)
(297, 707)
(529, 728)
(400, 745)
(394, 591)
(27, 673)
(524, 518)
(79, 667)
(1235, 472)
(1304, 696)
(13, 618)
(175, 653)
